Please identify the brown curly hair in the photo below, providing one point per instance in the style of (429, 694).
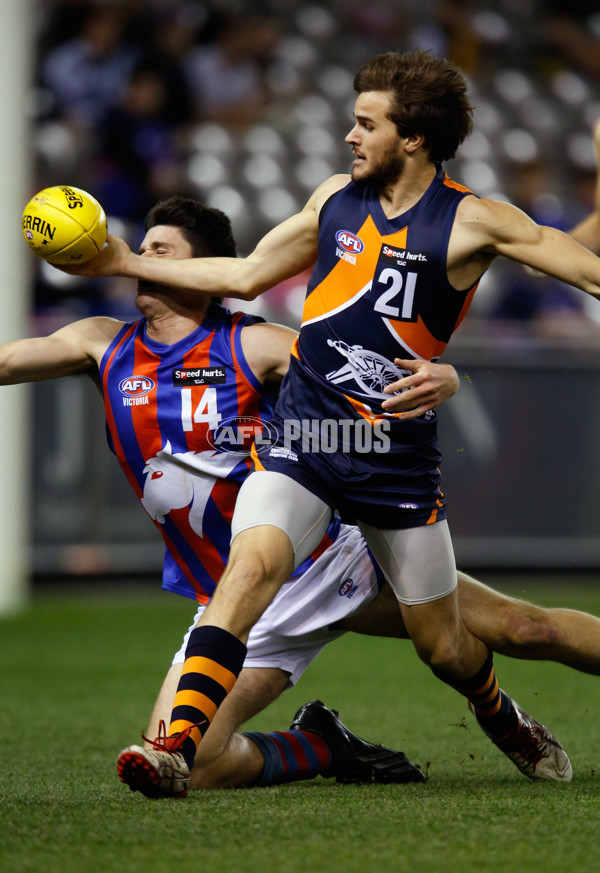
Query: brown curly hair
(429, 98)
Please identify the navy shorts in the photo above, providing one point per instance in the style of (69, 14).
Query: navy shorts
(392, 490)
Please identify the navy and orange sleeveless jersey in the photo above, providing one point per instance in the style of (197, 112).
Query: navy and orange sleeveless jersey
(180, 419)
(379, 291)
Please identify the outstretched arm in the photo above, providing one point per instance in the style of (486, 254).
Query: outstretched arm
(76, 348)
(484, 229)
(587, 232)
(284, 252)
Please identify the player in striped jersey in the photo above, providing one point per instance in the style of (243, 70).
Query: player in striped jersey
(379, 294)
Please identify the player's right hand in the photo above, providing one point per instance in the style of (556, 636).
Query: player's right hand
(427, 387)
(110, 261)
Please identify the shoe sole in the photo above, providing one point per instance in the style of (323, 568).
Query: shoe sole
(366, 772)
(136, 772)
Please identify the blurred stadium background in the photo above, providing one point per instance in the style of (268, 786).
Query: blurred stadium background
(246, 105)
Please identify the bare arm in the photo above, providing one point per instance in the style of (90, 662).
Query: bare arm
(587, 232)
(267, 350)
(76, 348)
(284, 252)
(484, 229)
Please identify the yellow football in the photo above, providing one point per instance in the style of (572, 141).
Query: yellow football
(64, 225)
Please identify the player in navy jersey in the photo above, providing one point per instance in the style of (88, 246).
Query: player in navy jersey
(398, 250)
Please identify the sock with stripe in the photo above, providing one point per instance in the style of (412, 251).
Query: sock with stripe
(213, 660)
(290, 756)
(493, 708)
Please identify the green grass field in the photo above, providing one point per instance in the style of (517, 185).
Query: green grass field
(78, 677)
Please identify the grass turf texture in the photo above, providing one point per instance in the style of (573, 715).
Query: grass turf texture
(78, 678)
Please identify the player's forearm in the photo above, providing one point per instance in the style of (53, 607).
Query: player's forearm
(244, 279)
(214, 276)
(555, 253)
(587, 232)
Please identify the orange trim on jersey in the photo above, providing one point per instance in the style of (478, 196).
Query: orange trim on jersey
(368, 414)
(416, 335)
(365, 412)
(294, 350)
(240, 374)
(434, 512)
(466, 304)
(450, 183)
(145, 418)
(254, 456)
(338, 288)
(110, 418)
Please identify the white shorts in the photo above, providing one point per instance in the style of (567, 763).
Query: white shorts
(297, 624)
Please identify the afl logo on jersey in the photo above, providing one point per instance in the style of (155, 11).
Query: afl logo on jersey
(136, 386)
(349, 242)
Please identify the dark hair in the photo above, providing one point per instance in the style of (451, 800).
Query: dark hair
(207, 230)
(429, 97)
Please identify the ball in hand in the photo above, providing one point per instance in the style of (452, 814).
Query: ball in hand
(64, 225)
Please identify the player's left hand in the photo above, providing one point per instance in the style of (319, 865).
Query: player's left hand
(110, 261)
(427, 387)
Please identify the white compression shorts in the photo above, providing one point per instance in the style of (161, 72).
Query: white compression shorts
(296, 626)
(418, 561)
(271, 498)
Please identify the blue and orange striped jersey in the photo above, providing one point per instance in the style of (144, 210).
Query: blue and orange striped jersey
(181, 419)
(379, 291)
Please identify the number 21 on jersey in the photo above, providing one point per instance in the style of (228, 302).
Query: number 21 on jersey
(396, 284)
